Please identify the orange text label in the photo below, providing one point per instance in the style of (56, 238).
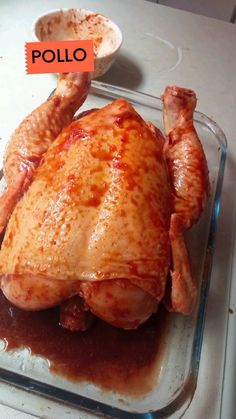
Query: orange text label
(59, 56)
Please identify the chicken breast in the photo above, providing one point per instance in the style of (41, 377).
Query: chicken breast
(98, 209)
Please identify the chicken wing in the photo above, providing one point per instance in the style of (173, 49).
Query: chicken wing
(38, 130)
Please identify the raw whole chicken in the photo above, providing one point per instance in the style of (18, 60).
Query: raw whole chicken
(99, 224)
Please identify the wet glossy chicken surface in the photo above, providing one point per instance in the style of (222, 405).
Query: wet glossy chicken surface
(103, 219)
(39, 129)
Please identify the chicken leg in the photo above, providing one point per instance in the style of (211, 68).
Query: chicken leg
(190, 188)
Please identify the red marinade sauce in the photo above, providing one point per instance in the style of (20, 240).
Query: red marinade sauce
(125, 361)
(119, 120)
(73, 136)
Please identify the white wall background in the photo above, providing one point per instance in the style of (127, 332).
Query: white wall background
(219, 9)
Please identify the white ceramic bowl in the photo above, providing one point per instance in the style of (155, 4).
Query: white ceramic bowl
(65, 24)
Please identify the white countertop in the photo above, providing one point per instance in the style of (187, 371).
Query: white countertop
(161, 46)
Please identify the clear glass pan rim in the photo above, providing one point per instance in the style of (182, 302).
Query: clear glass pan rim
(183, 399)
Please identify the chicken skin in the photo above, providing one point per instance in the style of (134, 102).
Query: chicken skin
(35, 134)
(98, 219)
(38, 130)
(100, 226)
(189, 183)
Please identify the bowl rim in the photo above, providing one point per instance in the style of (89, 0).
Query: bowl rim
(114, 26)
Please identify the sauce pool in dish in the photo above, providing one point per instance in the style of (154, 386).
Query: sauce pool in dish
(113, 359)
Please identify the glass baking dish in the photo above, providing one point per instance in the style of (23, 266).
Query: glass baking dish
(27, 376)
